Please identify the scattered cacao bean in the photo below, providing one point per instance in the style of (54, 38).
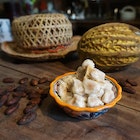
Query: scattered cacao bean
(45, 91)
(43, 80)
(33, 82)
(11, 95)
(3, 99)
(122, 82)
(30, 108)
(129, 89)
(27, 118)
(127, 84)
(33, 95)
(35, 101)
(23, 80)
(11, 109)
(20, 88)
(29, 91)
(8, 80)
(10, 88)
(12, 101)
(19, 94)
(2, 92)
(132, 82)
(39, 90)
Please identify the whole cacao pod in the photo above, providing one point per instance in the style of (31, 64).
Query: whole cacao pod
(112, 46)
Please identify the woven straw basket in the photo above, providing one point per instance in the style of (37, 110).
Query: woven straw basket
(42, 30)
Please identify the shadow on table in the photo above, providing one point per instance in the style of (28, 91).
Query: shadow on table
(51, 109)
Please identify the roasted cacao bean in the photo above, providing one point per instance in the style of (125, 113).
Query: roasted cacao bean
(35, 101)
(132, 82)
(20, 88)
(27, 118)
(10, 88)
(122, 82)
(23, 80)
(19, 94)
(8, 80)
(12, 95)
(30, 108)
(40, 90)
(2, 92)
(129, 89)
(3, 99)
(127, 85)
(33, 82)
(12, 101)
(11, 109)
(43, 80)
(33, 95)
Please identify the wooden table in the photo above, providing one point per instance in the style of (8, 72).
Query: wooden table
(120, 123)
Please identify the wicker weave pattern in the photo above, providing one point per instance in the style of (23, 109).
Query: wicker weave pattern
(42, 30)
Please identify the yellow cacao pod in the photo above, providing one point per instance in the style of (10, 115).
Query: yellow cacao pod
(112, 46)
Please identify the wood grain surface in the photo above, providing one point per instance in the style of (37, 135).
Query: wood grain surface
(122, 122)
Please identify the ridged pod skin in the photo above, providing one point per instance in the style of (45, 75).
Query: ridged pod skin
(112, 46)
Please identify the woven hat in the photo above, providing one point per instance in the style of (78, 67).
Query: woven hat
(42, 30)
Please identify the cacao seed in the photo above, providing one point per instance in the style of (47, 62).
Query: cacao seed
(2, 92)
(33, 95)
(40, 90)
(3, 99)
(129, 89)
(27, 118)
(23, 80)
(19, 94)
(10, 88)
(34, 101)
(31, 91)
(30, 108)
(12, 101)
(43, 80)
(132, 82)
(11, 109)
(122, 82)
(8, 80)
(20, 88)
(33, 82)
(11, 95)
